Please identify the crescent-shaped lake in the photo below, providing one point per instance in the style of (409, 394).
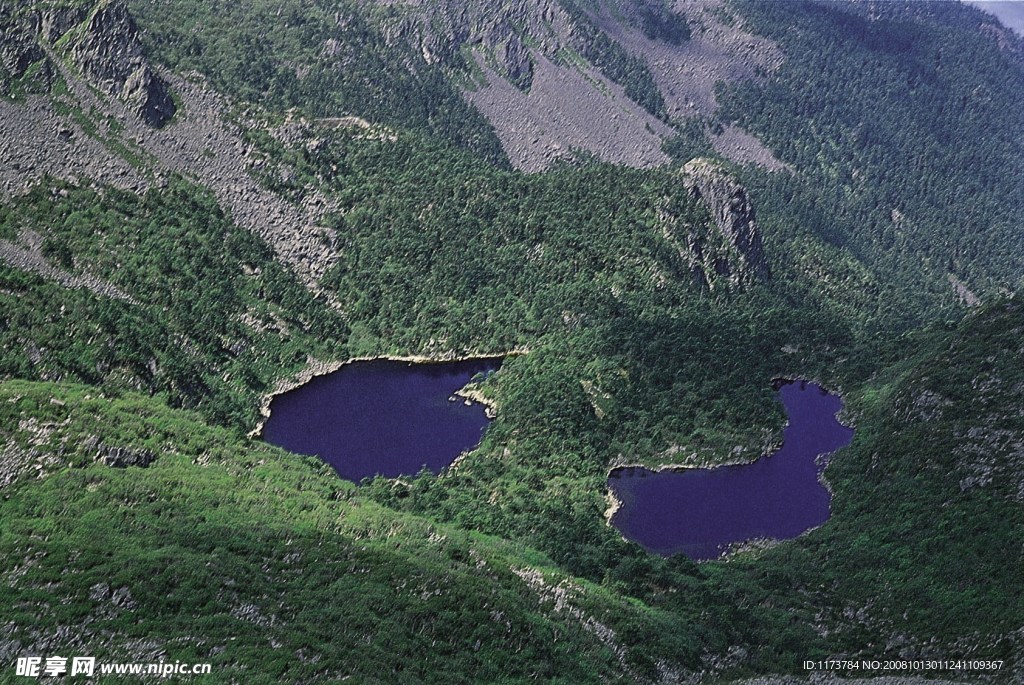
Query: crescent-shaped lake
(702, 512)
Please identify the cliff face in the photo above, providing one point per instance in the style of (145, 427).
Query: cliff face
(109, 53)
(105, 47)
(19, 52)
(734, 217)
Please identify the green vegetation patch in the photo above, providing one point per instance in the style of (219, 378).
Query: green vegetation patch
(268, 567)
(213, 318)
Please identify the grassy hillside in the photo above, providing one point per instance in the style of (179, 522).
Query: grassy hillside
(266, 565)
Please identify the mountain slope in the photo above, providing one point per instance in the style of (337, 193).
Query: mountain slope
(262, 564)
(171, 539)
(895, 119)
(338, 180)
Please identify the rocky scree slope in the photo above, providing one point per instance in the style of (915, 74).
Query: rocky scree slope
(64, 125)
(559, 80)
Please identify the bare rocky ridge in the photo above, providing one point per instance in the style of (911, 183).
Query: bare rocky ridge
(36, 140)
(544, 101)
(441, 28)
(54, 21)
(83, 135)
(544, 105)
(19, 50)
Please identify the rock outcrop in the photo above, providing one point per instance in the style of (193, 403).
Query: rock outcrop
(733, 214)
(439, 30)
(54, 22)
(119, 457)
(106, 48)
(109, 53)
(19, 51)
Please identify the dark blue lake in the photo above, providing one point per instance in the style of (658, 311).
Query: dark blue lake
(387, 418)
(701, 512)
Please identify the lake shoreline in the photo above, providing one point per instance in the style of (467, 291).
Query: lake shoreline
(756, 543)
(474, 395)
(316, 367)
(774, 447)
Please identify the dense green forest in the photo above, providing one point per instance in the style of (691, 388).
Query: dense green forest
(215, 318)
(325, 59)
(635, 340)
(899, 121)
